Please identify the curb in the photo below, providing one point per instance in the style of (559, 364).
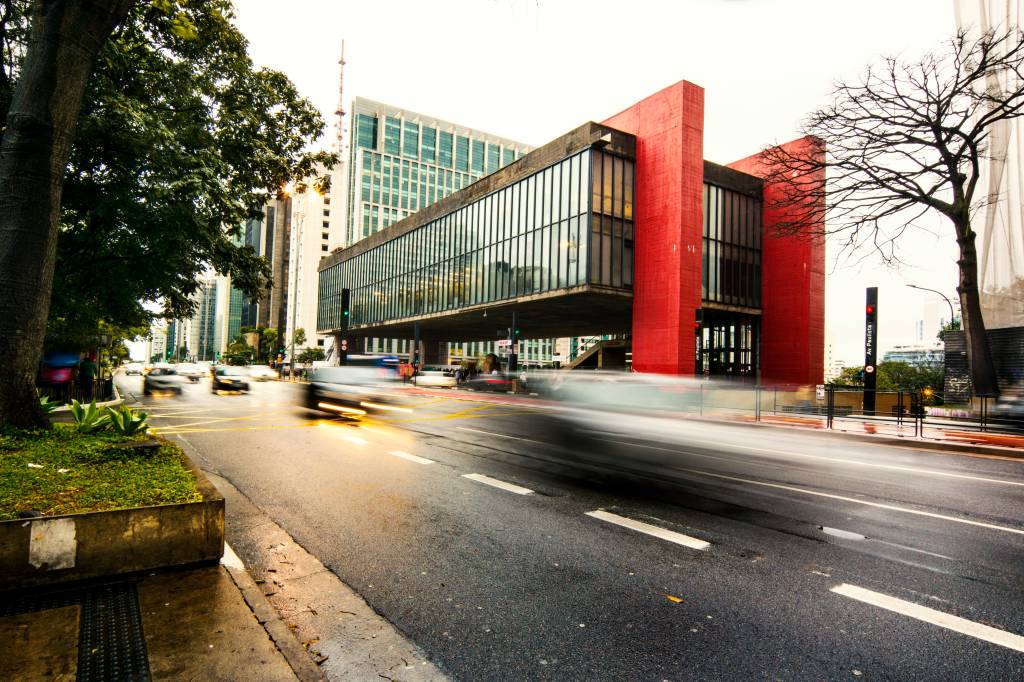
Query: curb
(294, 653)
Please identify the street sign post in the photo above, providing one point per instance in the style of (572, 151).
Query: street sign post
(870, 349)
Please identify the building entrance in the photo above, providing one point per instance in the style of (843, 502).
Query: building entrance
(727, 345)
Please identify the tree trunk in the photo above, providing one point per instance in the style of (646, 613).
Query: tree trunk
(65, 37)
(979, 358)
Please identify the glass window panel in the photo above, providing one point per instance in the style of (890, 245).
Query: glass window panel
(627, 188)
(493, 157)
(428, 153)
(461, 155)
(479, 161)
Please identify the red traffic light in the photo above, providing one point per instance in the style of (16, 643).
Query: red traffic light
(870, 310)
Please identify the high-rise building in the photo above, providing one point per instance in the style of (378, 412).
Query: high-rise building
(399, 162)
(156, 344)
(315, 228)
(203, 343)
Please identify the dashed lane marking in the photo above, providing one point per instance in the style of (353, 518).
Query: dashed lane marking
(868, 503)
(500, 435)
(655, 531)
(928, 615)
(894, 467)
(411, 458)
(510, 487)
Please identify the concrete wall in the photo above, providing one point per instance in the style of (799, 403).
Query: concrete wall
(668, 215)
(792, 293)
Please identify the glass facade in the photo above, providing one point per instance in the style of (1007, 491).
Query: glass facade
(566, 225)
(732, 248)
(727, 341)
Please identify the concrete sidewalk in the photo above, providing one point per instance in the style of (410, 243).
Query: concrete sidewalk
(191, 624)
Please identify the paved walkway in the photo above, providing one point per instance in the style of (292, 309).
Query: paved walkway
(174, 625)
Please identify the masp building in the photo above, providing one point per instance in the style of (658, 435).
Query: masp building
(615, 227)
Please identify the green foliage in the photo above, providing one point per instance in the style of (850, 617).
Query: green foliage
(127, 421)
(899, 376)
(47, 405)
(299, 337)
(310, 355)
(76, 472)
(89, 419)
(180, 140)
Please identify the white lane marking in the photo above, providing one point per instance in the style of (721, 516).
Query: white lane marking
(500, 435)
(840, 460)
(511, 487)
(877, 505)
(411, 458)
(929, 615)
(656, 531)
(355, 440)
(230, 559)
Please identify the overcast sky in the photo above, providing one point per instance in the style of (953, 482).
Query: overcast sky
(531, 70)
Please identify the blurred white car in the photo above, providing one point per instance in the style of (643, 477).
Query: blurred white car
(261, 373)
(133, 368)
(434, 377)
(162, 379)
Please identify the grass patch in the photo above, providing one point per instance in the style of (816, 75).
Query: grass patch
(99, 473)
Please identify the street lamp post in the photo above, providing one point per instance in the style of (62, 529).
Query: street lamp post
(952, 315)
(300, 219)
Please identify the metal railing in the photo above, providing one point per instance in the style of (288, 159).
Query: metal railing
(100, 391)
(900, 413)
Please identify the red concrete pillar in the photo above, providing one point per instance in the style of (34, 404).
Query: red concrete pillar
(668, 215)
(792, 291)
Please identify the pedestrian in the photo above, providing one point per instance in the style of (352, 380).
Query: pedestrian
(87, 376)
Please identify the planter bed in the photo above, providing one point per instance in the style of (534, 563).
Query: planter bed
(108, 505)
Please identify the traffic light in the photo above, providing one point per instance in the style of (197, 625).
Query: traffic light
(345, 296)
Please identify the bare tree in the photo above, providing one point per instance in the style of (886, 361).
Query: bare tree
(63, 41)
(905, 141)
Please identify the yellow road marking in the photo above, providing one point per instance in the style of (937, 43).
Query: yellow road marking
(457, 415)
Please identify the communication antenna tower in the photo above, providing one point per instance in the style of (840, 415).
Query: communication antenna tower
(340, 111)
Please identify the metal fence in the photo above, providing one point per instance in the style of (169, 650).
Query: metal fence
(899, 413)
(101, 390)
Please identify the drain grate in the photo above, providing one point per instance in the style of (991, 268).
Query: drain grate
(111, 644)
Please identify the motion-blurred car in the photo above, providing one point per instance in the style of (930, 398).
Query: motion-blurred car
(190, 371)
(261, 373)
(133, 368)
(1008, 411)
(435, 377)
(355, 389)
(162, 379)
(228, 378)
(497, 383)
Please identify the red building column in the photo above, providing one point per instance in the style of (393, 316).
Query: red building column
(668, 223)
(792, 291)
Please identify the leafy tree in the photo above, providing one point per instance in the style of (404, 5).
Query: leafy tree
(905, 141)
(299, 337)
(47, 48)
(180, 140)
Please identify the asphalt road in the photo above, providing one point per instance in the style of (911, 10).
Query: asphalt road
(788, 555)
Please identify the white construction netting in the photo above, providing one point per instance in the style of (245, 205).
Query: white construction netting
(1000, 223)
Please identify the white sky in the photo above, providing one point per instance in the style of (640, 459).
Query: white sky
(531, 70)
